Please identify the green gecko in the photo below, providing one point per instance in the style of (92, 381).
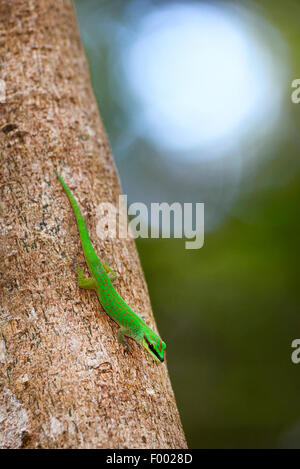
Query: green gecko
(102, 276)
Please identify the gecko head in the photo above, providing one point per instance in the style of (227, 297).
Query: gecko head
(154, 345)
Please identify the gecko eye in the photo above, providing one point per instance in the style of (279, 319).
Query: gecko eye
(151, 347)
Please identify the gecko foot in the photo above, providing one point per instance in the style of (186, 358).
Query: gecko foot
(126, 346)
(73, 263)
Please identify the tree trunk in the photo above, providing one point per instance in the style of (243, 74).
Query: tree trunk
(65, 381)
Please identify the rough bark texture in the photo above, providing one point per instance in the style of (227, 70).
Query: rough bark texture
(65, 381)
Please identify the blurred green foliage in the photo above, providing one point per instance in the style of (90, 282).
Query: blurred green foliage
(230, 310)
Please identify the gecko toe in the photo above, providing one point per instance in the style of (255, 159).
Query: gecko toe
(126, 347)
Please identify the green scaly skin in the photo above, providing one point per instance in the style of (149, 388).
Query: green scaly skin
(102, 276)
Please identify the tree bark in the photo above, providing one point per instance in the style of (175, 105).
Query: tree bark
(65, 382)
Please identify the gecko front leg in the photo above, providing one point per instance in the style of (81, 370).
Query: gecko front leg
(124, 332)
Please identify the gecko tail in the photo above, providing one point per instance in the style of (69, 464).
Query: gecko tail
(83, 232)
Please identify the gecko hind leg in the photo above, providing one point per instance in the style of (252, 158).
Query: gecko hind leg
(110, 272)
(86, 283)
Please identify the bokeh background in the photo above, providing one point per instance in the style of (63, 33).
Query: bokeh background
(196, 100)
